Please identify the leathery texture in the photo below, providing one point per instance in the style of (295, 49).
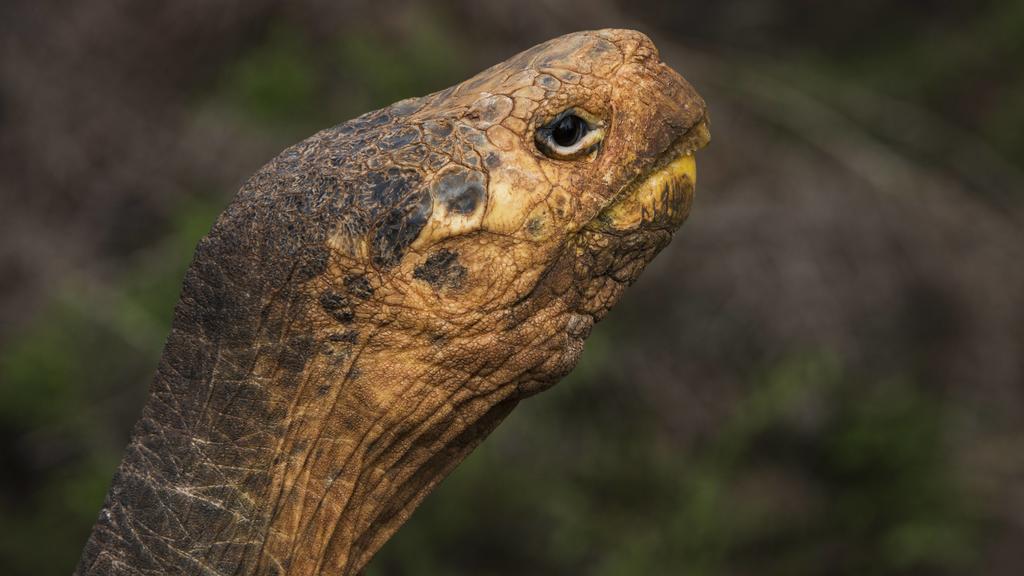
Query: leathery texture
(377, 298)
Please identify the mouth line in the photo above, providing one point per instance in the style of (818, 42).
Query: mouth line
(659, 183)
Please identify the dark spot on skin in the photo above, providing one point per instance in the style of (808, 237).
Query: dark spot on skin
(535, 225)
(441, 269)
(322, 390)
(460, 190)
(560, 205)
(347, 337)
(548, 82)
(467, 201)
(338, 306)
(358, 286)
(492, 161)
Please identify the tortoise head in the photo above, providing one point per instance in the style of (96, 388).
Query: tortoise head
(543, 187)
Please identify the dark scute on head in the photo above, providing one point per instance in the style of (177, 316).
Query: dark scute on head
(381, 160)
(367, 121)
(435, 161)
(467, 200)
(399, 138)
(472, 139)
(441, 269)
(460, 190)
(548, 82)
(400, 226)
(386, 188)
(437, 129)
(415, 155)
(492, 110)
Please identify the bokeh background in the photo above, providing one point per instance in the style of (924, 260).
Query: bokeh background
(823, 374)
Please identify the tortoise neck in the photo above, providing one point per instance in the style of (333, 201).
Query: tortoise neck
(297, 471)
(284, 432)
(360, 455)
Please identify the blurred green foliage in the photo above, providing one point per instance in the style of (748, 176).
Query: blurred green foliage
(287, 81)
(962, 65)
(276, 82)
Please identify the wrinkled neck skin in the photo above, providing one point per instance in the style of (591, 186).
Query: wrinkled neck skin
(254, 457)
(373, 425)
(377, 423)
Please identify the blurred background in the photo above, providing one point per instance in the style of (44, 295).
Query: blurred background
(823, 374)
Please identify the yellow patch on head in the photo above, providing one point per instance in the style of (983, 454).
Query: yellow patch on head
(666, 195)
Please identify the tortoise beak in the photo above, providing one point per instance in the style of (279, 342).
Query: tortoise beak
(661, 197)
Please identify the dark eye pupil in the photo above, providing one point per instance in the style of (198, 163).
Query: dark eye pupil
(568, 130)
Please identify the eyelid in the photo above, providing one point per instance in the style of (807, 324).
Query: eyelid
(587, 143)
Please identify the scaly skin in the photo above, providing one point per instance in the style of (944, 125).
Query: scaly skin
(376, 300)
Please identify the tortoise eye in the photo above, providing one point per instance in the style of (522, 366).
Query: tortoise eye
(569, 136)
(569, 130)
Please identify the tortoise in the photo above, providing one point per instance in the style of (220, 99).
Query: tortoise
(378, 297)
